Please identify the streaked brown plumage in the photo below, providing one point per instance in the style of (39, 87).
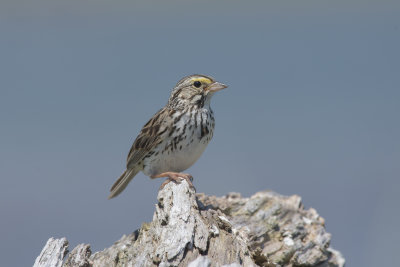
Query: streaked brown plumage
(175, 137)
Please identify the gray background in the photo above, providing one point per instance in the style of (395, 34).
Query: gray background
(312, 109)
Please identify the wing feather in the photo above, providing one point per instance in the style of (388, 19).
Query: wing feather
(148, 138)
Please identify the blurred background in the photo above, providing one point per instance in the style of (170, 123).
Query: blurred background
(312, 109)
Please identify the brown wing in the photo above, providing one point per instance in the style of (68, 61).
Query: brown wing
(148, 138)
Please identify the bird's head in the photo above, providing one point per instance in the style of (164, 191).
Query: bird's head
(194, 90)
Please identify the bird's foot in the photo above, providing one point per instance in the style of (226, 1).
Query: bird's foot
(175, 177)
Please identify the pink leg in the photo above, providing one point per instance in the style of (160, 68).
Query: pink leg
(175, 177)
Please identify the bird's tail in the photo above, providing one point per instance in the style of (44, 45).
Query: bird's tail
(122, 182)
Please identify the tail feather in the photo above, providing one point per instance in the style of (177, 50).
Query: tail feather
(122, 182)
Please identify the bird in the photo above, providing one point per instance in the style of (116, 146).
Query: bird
(176, 136)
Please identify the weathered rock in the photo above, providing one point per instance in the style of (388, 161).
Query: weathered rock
(79, 257)
(266, 229)
(53, 253)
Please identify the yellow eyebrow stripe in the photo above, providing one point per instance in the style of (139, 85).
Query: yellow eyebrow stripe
(202, 80)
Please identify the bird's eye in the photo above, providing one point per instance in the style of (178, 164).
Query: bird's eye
(197, 84)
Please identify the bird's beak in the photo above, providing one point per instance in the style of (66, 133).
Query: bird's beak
(216, 86)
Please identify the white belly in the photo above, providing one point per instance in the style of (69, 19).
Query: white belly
(175, 161)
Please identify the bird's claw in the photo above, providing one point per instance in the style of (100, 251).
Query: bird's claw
(177, 178)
